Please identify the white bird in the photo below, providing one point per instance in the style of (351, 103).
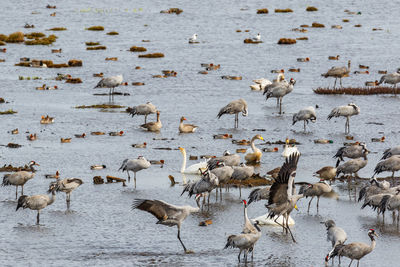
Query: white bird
(110, 82)
(167, 214)
(279, 90)
(306, 114)
(134, 165)
(193, 39)
(36, 202)
(257, 38)
(66, 185)
(345, 111)
(143, 109)
(235, 107)
(255, 156)
(192, 169)
(289, 149)
(392, 78)
(19, 178)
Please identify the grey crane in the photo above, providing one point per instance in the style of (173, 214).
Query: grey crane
(205, 184)
(326, 173)
(279, 90)
(19, 178)
(352, 166)
(306, 114)
(66, 185)
(352, 152)
(391, 164)
(373, 187)
(134, 165)
(235, 107)
(315, 190)
(282, 197)
(241, 173)
(36, 202)
(335, 235)
(167, 214)
(338, 72)
(110, 82)
(143, 109)
(345, 111)
(224, 174)
(259, 194)
(392, 203)
(391, 151)
(228, 159)
(392, 78)
(356, 250)
(374, 201)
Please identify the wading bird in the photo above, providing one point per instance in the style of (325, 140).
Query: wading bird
(352, 152)
(66, 185)
(19, 178)
(110, 82)
(306, 114)
(134, 165)
(315, 190)
(338, 72)
(235, 107)
(279, 90)
(227, 158)
(392, 78)
(345, 111)
(335, 235)
(143, 109)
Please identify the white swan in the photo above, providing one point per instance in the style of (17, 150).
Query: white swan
(289, 149)
(192, 169)
(264, 220)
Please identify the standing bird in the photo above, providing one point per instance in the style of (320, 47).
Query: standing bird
(374, 187)
(143, 109)
(167, 214)
(257, 38)
(326, 173)
(391, 164)
(282, 197)
(345, 111)
(186, 128)
(338, 72)
(356, 250)
(289, 149)
(390, 152)
(192, 169)
(392, 78)
(257, 154)
(19, 178)
(224, 174)
(315, 190)
(228, 159)
(352, 152)
(36, 202)
(259, 194)
(240, 173)
(392, 203)
(134, 165)
(235, 107)
(110, 82)
(352, 166)
(193, 39)
(153, 126)
(206, 184)
(306, 114)
(334, 234)
(279, 90)
(66, 185)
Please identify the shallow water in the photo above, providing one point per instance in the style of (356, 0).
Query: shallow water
(102, 230)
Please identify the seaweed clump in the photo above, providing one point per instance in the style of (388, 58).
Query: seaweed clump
(73, 80)
(311, 8)
(8, 112)
(262, 11)
(34, 35)
(100, 106)
(3, 37)
(16, 37)
(137, 49)
(152, 55)
(100, 47)
(357, 91)
(2, 43)
(175, 10)
(317, 25)
(92, 43)
(251, 41)
(95, 28)
(42, 41)
(287, 41)
(286, 10)
(112, 33)
(58, 29)
(75, 63)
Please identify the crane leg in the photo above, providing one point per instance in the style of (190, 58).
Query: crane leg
(304, 126)
(37, 217)
(240, 190)
(309, 204)
(16, 191)
(334, 85)
(288, 228)
(134, 177)
(240, 252)
(317, 204)
(22, 191)
(179, 237)
(341, 82)
(276, 221)
(280, 106)
(145, 119)
(129, 177)
(68, 200)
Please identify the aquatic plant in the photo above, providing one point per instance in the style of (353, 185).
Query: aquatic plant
(8, 112)
(287, 41)
(58, 29)
(302, 38)
(42, 41)
(92, 43)
(3, 37)
(34, 35)
(101, 47)
(137, 49)
(251, 41)
(311, 8)
(75, 63)
(101, 106)
(112, 58)
(357, 25)
(112, 33)
(2, 43)
(262, 11)
(357, 90)
(345, 20)
(16, 37)
(304, 26)
(58, 65)
(286, 10)
(152, 55)
(317, 25)
(95, 28)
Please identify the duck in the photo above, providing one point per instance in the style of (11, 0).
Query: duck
(192, 169)
(47, 120)
(334, 57)
(193, 39)
(56, 50)
(55, 87)
(120, 133)
(53, 14)
(32, 137)
(256, 155)
(66, 140)
(382, 71)
(337, 27)
(289, 149)
(3, 50)
(140, 145)
(100, 75)
(97, 167)
(186, 128)
(213, 67)
(270, 149)
(363, 66)
(382, 139)
(278, 71)
(52, 176)
(38, 64)
(15, 131)
(243, 142)
(294, 70)
(361, 72)
(43, 87)
(97, 133)
(80, 135)
(157, 162)
(369, 83)
(153, 126)
(222, 136)
(307, 59)
(323, 141)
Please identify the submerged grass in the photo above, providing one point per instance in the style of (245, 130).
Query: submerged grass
(101, 106)
(357, 90)
(8, 112)
(152, 55)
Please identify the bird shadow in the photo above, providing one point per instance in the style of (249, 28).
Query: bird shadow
(31, 228)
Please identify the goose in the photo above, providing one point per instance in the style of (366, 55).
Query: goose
(326, 173)
(345, 111)
(36, 202)
(305, 115)
(134, 165)
(110, 82)
(256, 155)
(192, 169)
(289, 149)
(235, 107)
(20, 178)
(186, 128)
(153, 126)
(338, 72)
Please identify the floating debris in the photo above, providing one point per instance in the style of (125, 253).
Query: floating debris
(13, 145)
(92, 43)
(75, 63)
(101, 47)
(302, 38)
(73, 80)
(101, 106)
(112, 58)
(317, 25)
(112, 33)
(58, 29)
(137, 83)
(336, 27)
